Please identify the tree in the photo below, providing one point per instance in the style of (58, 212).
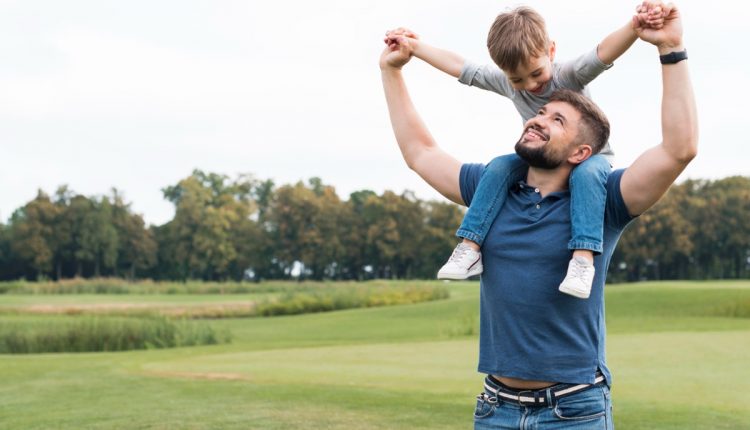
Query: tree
(253, 237)
(303, 226)
(659, 244)
(723, 214)
(353, 233)
(439, 238)
(99, 237)
(32, 232)
(136, 246)
(394, 224)
(10, 266)
(207, 208)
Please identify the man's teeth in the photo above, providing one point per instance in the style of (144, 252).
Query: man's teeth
(535, 134)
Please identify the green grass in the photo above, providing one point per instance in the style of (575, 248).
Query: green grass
(679, 353)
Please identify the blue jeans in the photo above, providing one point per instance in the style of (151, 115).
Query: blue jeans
(588, 195)
(590, 409)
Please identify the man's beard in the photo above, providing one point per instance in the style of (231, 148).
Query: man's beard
(537, 157)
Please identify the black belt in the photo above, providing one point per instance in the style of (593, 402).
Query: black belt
(540, 397)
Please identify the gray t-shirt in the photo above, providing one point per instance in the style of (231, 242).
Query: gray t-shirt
(573, 75)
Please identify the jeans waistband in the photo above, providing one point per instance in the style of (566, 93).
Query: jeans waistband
(541, 397)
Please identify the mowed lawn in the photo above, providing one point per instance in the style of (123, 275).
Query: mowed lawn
(680, 354)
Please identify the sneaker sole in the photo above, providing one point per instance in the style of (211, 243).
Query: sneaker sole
(460, 276)
(575, 293)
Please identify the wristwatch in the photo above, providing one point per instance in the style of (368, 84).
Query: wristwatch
(673, 57)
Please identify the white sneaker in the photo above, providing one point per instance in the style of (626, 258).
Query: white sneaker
(579, 278)
(464, 263)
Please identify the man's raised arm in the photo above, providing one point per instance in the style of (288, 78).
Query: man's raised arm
(418, 148)
(651, 175)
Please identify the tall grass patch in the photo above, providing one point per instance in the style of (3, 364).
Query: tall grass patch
(348, 298)
(304, 298)
(123, 286)
(92, 333)
(738, 309)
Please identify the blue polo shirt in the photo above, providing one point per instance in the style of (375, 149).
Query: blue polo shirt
(529, 329)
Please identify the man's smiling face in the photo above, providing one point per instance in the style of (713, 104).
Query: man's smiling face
(548, 137)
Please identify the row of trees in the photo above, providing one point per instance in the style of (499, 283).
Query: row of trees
(699, 230)
(231, 229)
(73, 235)
(244, 228)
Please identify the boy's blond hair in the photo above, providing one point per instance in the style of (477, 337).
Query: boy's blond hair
(517, 36)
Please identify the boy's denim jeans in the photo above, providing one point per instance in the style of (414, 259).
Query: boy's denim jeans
(588, 195)
(588, 410)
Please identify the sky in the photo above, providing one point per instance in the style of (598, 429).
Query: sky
(137, 94)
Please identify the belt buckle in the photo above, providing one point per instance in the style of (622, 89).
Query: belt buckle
(533, 401)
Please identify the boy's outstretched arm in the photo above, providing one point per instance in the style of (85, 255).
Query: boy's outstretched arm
(441, 59)
(616, 43)
(650, 14)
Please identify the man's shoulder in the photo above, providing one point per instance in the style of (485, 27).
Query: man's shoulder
(616, 213)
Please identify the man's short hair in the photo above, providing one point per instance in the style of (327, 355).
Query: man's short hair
(517, 36)
(595, 130)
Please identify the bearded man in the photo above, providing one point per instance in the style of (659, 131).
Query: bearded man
(543, 352)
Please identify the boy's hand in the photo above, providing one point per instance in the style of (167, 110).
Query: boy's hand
(397, 52)
(401, 31)
(651, 14)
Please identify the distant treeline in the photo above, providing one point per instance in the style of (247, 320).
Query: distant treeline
(244, 228)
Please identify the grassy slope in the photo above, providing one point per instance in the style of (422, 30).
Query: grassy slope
(678, 364)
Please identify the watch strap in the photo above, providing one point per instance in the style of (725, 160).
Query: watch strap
(673, 57)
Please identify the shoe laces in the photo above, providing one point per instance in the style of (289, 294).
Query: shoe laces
(580, 270)
(460, 251)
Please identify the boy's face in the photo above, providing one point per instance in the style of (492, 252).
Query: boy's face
(533, 75)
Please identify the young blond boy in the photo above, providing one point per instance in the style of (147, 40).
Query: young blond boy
(525, 72)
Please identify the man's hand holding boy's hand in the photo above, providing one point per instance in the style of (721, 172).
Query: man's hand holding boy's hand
(666, 37)
(651, 14)
(398, 51)
(408, 37)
